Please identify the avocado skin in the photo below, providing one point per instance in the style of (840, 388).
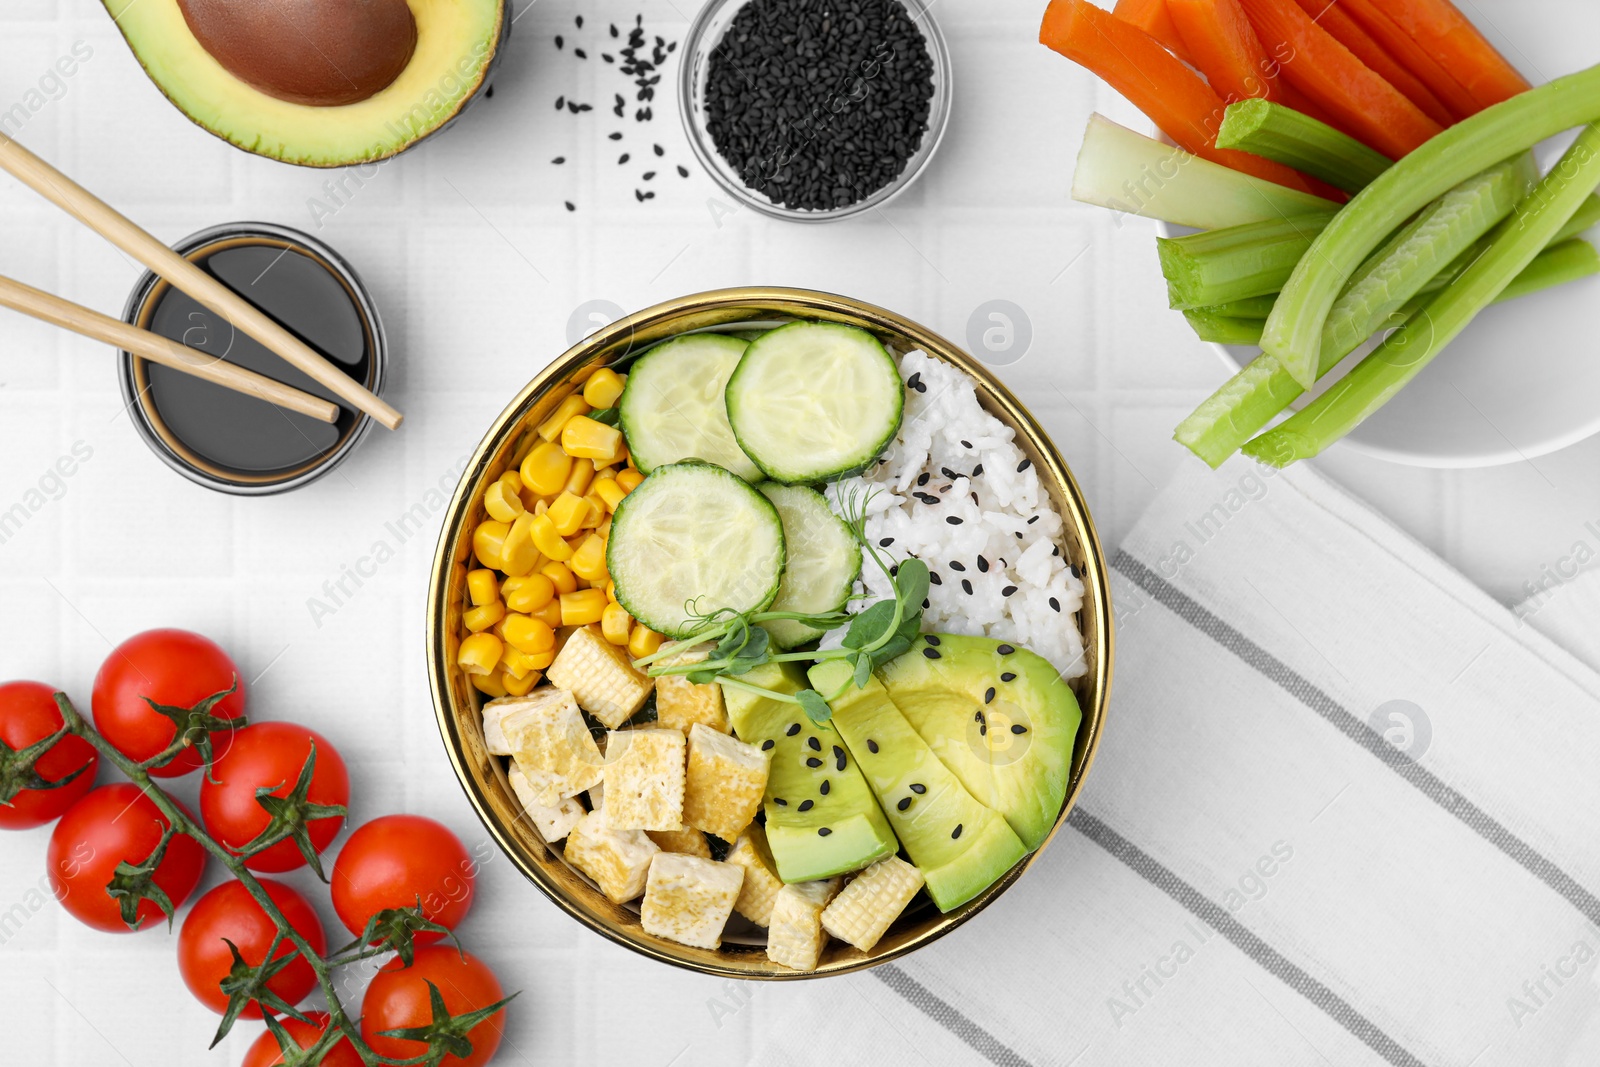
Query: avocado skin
(1022, 776)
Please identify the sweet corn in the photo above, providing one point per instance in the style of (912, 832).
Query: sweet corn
(547, 539)
(513, 481)
(529, 593)
(567, 512)
(603, 388)
(493, 685)
(622, 452)
(599, 510)
(481, 587)
(546, 468)
(583, 436)
(484, 616)
(603, 472)
(611, 590)
(629, 479)
(502, 502)
(609, 490)
(580, 476)
(604, 530)
(560, 576)
(488, 541)
(529, 634)
(550, 614)
(573, 406)
(643, 641)
(542, 505)
(540, 660)
(519, 687)
(479, 654)
(615, 622)
(518, 554)
(589, 562)
(517, 663)
(582, 607)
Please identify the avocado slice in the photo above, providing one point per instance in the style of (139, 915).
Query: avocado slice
(835, 798)
(1000, 717)
(320, 83)
(960, 846)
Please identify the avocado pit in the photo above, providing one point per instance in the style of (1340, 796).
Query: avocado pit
(321, 53)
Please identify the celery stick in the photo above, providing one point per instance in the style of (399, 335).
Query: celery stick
(1255, 307)
(1224, 329)
(1237, 261)
(1137, 175)
(1300, 141)
(1294, 330)
(1559, 264)
(1404, 353)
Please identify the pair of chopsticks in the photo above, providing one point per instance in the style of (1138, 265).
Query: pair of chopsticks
(100, 217)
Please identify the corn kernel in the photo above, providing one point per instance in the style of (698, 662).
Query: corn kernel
(603, 388)
(513, 481)
(589, 562)
(488, 541)
(540, 660)
(482, 587)
(583, 436)
(560, 576)
(579, 477)
(608, 490)
(603, 472)
(573, 406)
(502, 502)
(529, 634)
(547, 539)
(493, 685)
(622, 455)
(531, 501)
(546, 468)
(643, 641)
(481, 618)
(530, 592)
(629, 479)
(519, 687)
(542, 505)
(615, 622)
(582, 607)
(516, 662)
(518, 554)
(598, 511)
(550, 614)
(567, 512)
(604, 529)
(611, 590)
(479, 654)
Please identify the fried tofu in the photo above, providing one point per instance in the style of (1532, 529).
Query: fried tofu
(795, 937)
(681, 703)
(688, 899)
(552, 745)
(686, 841)
(494, 712)
(600, 677)
(761, 885)
(644, 779)
(725, 783)
(871, 902)
(617, 860)
(554, 823)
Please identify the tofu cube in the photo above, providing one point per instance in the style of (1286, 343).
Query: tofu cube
(795, 937)
(644, 779)
(680, 703)
(552, 745)
(761, 885)
(554, 823)
(494, 712)
(600, 677)
(874, 898)
(726, 781)
(686, 841)
(617, 860)
(688, 899)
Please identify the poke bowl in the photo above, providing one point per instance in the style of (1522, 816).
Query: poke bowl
(645, 757)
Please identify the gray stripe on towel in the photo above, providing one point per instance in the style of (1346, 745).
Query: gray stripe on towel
(1430, 785)
(946, 1015)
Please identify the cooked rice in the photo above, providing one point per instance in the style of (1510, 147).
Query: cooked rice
(1007, 522)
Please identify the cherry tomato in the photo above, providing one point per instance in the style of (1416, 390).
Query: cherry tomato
(171, 667)
(395, 859)
(266, 1053)
(397, 999)
(229, 911)
(28, 713)
(271, 754)
(109, 825)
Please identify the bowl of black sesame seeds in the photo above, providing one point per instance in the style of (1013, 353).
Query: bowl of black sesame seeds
(814, 110)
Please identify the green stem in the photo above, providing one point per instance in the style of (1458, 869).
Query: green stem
(1286, 136)
(771, 694)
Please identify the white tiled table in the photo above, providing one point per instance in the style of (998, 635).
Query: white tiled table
(477, 268)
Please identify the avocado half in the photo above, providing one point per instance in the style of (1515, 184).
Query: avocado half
(318, 83)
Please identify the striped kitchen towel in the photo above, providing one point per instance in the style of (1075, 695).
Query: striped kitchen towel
(1344, 813)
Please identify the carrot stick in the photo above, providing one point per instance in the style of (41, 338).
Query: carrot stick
(1153, 17)
(1452, 39)
(1413, 57)
(1225, 48)
(1332, 17)
(1155, 81)
(1326, 71)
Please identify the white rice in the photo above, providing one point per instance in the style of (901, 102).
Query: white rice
(1007, 520)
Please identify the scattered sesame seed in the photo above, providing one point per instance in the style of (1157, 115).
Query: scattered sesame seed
(608, 57)
(782, 803)
(683, 171)
(1055, 550)
(1008, 590)
(823, 789)
(956, 832)
(794, 729)
(561, 102)
(953, 520)
(1055, 604)
(1004, 650)
(931, 653)
(904, 804)
(1033, 520)
(966, 586)
(976, 471)
(966, 444)
(659, 150)
(571, 206)
(615, 136)
(933, 577)
(812, 761)
(933, 639)
(948, 473)
(823, 831)
(988, 696)
(957, 565)
(807, 805)
(580, 53)
(925, 603)
(649, 174)
(816, 746)
(614, 29)
(872, 746)
(885, 542)
(1019, 729)
(983, 565)
(1008, 677)
(922, 479)
(580, 22)
(766, 746)
(622, 159)
(918, 788)
(559, 42)
(1024, 465)
(559, 160)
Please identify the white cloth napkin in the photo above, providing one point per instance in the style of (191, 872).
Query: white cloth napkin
(1343, 813)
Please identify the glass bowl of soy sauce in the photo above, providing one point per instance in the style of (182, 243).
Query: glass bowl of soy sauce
(228, 441)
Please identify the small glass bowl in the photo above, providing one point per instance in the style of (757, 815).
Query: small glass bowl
(706, 32)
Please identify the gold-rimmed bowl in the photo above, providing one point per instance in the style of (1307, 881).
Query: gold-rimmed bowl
(458, 704)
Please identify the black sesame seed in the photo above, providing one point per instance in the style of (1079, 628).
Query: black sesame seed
(793, 729)
(1055, 550)
(622, 159)
(571, 206)
(816, 746)
(977, 716)
(649, 174)
(922, 479)
(925, 603)
(956, 832)
(976, 471)
(1007, 676)
(1024, 465)
(782, 803)
(934, 579)
(580, 22)
(918, 788)
(807, 805)
(988, 696)
(823, 831)
(948, 473)
(1008, 590)
(983, 565)
(572, 106)
(615, 136)
(916, 376)
(966, 445)
(683, 171)
(608, 57)
(580, 53)
(931, 653)
(872, 746)
(812, 761)
(1055, 604)
(824, 787)
(904, 804)
(558, 40)
(559, 160)
(766, 746)
(983, 731)
(1033, 520)
(957, 565)
(885, 542)
(561, 102)
(953, 520)
(933, 639)
(1019, 729)
(1004, 650)
(613, 29)
(659, 150)
(966, 586)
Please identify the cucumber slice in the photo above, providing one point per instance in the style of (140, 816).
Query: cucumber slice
(694, 534)
(672, 407)
(812, 401)
(824, 561)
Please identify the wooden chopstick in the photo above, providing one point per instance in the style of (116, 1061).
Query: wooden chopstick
(158, 349)
(100, 217)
